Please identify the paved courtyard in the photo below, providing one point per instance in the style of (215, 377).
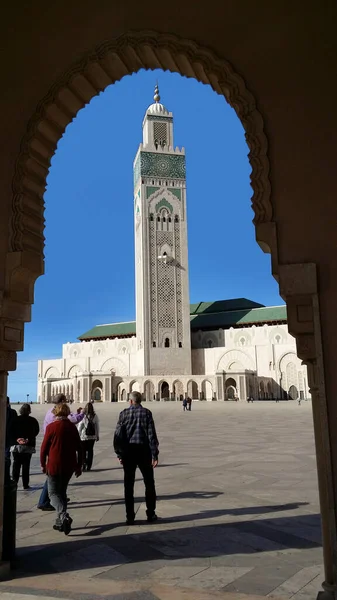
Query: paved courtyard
(238, 508)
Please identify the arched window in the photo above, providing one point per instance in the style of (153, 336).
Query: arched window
(154, 344)
(210, 344)
(151, 216)
(169, 219)
(242, 341)
(277, 339)
(176, 219)
(164, 219)
(158, 218)
(180, 345)
(167, 342)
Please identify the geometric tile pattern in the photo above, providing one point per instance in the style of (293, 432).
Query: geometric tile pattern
(238, 504)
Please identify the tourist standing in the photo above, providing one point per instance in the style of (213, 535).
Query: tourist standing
(11, 415)
(136, 445)
(61, 457)
(88, 429)
(44, 502)
(184, 404)
(189, 403)
(23, 432)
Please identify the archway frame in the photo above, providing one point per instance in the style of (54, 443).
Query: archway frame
(109, 62)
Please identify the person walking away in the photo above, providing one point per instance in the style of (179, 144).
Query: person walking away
(23, 432)
(11, 415)
(61, 457)
(184, 404)
(44, 502)
(136, 445)
(189, 403)
(88, 429)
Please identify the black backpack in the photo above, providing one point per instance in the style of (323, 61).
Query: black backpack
(90, 429)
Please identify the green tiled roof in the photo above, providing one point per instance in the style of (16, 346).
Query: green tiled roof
(237, 318)
(205, 315)
(110, 330)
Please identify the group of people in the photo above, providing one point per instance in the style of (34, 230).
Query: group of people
(68, 448)
(187, 403)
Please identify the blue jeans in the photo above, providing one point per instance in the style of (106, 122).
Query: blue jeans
(44, 498)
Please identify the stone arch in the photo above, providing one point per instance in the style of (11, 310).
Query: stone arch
(193, 389)
(149, 391)
(107, 63)
(235, 356)
(206, 390)
(74, 370)
(52, 373)
(134, 386)
(164, 390)
(285, 359)
(97, 390)
(178, 390)
(116, 365)
(99, 349)
(230, 388)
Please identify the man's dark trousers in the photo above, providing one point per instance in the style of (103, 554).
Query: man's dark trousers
(138, 455)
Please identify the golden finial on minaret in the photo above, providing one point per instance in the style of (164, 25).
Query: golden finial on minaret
(156, 96)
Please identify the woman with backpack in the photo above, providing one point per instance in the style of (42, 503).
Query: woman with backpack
(88, 429)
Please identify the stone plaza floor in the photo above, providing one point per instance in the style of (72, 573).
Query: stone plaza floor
(238, 508)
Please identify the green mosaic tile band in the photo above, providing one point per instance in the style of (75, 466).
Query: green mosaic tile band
(166, 166)
(162, 165)
(151, 189)
(176, 192)
(163, 203)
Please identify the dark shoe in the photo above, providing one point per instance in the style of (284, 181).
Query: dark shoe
(48, 508)
(152, 518)
(27, 487)
(58, 527)
(68, 499)
(66, 525)
(130, 520)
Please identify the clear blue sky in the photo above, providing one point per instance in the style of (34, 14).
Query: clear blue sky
(89, 272)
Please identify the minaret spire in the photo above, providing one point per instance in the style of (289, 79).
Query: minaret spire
(156, 96)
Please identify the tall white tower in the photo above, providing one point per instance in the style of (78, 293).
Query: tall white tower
(162, 294)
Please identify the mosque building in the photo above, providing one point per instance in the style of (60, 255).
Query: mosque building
(221, 350)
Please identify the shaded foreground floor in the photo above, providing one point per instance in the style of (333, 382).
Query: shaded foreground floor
(238, 504)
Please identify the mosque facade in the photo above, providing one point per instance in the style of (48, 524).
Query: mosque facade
(220, 350)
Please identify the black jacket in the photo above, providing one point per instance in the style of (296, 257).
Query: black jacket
(24, 427)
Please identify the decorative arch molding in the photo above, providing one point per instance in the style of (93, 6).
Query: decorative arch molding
(99, 349)
(74, 370)
(286, 358)
(52, 373)
(107, 63)
(115, 364)
(235, 356)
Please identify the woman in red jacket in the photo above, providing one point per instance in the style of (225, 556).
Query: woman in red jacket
(61, 457)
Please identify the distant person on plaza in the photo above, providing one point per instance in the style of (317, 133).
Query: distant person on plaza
(136, 445)
(184, 404)
(23, 432)
(61, 457)
(44, 503)
(189, 403)
(88, 429)
(11, 414)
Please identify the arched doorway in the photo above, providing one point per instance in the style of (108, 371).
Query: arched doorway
(178, 390)
(97, 391)
(164, 391)
(192, 390)
(149, 391)
(100, 77)
(207, 390)
(230, 389)
(293, 392)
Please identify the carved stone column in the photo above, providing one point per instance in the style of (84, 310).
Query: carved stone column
(298, 286)
(7, 363)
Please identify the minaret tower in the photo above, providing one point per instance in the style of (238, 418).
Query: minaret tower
(162, 294)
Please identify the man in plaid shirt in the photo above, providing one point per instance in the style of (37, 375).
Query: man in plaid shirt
(136, 445)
